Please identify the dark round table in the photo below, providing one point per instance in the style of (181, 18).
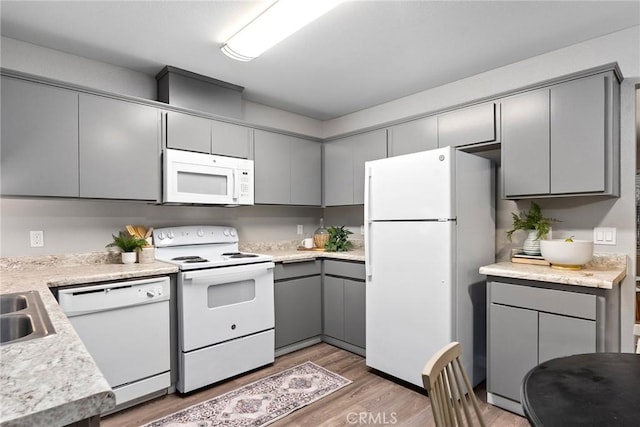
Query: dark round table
(595, 389)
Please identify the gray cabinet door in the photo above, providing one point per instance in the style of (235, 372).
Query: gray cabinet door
(272, 168)
(228, 139)
(525, 144)
(306, 172)
(367, 146)
(354, 312)
(414, 136)
(563, 336)
(578, 133)
(333, 307)
(338, 173)
(298, 310)
(187, 132)
(512, 347)
(39, 140)
(119, 149)
(471, 125)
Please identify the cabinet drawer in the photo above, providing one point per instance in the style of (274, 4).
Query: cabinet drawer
(298, 269)
(547, 300)
(354, 270)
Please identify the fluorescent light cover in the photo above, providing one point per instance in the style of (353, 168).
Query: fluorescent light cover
(278, 22)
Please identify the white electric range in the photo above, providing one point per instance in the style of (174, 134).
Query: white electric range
(225, 303)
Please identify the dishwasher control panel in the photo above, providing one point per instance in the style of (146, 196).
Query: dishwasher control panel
(109, 296)
(150, 292)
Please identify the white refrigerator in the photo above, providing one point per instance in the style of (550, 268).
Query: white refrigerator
(429, 226)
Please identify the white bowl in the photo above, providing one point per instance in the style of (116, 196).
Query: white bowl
(567, 255)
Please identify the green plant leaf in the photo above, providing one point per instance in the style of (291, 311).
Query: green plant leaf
(127, 242)
(338, 240)
(531, 220)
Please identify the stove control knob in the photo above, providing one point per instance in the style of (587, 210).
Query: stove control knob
(170, 234)
(225, 232)
(232, 232)
(161, 235)
(200, 232)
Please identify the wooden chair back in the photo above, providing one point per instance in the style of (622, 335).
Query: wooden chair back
(452, 399)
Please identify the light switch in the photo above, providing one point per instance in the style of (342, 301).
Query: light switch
(604, 235)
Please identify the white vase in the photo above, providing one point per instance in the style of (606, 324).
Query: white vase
(531, 244)
(129, 257)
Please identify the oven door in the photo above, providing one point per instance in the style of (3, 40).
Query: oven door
(203, 178)
(220, 304)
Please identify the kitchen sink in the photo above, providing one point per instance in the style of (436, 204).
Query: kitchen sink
(23, 317)
(12, 302)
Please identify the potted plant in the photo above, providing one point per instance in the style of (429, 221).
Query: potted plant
(338, 240)
(128, 244)
(535, 224)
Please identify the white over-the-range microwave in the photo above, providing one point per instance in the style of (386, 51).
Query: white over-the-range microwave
(206, 179)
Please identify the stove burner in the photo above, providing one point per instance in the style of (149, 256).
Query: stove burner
(238, 255)
(190, 259)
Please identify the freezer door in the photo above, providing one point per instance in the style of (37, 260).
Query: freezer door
(409, 295)
(413, 186)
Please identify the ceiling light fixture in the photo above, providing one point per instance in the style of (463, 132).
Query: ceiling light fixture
(279, 21)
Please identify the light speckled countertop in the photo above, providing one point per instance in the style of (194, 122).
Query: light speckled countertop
(295, 255)
(53, 380)
(603, 271)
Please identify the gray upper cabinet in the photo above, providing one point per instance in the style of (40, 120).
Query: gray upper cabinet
(187, 132)
(562, 140)
(578, 135)
(414, 136)
(228, 139)
(119, 149)
(470, 125)
(39, 140)
(193, 133)
(344, 161)
(525, 146)
(287, 169)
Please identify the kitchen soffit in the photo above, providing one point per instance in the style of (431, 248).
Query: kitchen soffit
(360, 54)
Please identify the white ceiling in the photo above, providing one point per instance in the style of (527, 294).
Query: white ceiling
(360, 54)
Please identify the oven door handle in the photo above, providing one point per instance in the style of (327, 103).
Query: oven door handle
(221, 275)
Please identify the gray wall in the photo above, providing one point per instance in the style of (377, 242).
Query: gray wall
(78, 226)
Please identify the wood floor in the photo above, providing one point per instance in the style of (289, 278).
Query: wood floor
(371, 399)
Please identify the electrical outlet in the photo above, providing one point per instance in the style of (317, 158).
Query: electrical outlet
(300, 229)
(36, 238)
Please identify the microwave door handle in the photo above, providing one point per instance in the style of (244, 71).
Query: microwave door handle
(236, 184)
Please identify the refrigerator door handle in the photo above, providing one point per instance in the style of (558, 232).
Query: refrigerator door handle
(367, 217)
(367, 253)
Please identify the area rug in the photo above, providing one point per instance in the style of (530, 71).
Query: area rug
(261, 402)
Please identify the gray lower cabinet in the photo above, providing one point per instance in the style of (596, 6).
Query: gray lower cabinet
(528, 325)
(562, 140)
(414, 136)
(288, 170)
(471, 125)
(298, 302)
(344, 305)
(39, 140)
(119, 153)
(344, 161)
(193, 133)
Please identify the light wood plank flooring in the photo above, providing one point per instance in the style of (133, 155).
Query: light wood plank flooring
(372, 399)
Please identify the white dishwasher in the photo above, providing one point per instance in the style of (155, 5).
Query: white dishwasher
(125, 327)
